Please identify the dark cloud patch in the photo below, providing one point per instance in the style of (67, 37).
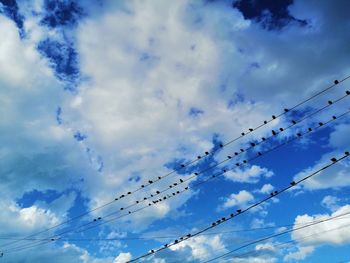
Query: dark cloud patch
(271, 14)
(10, 9)
(61, 13)
(64, 60)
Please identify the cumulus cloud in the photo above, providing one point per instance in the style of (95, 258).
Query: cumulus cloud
(248, 175)
(243, 198)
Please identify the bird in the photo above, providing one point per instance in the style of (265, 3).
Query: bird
(259, 153)
(239, 211)
(220, 145)
(250, 129)
(181, 180)
(99, 218)
(206, 153)
(309, 129)
(292, 183)
(242, 150)
(229, 157)
(232, 215)
(336, 82)
(199, 157)
(252, 144)
(334, 117)
(186, 188)
(95, 220)
(273, 132)
(242, 133)
(346, 153)
(273, 117)
(236, 153)
(320, 123)
(129, 193)
(263, 139)
(245, 161)
(294, 122)
(195, 173)
(122, 196)
(265, 122)
(121, 208)
(334, 160)
(159, 177)
(152, 251)
(158, 192)
(347, 92)
(142, 186)
(150, 181)
(286, 110)
(330, 102)
(271, 194)
(182, 165)
(299, 134)
(281, 129)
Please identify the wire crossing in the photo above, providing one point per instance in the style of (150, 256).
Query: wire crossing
(283, 233)
(244, 162)
(240, 212)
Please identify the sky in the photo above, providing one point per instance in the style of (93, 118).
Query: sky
(101, 97)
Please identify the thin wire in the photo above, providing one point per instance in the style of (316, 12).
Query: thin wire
(187, 164)
(275, 235)
(58, 236)
(240, 212)
(279, 234)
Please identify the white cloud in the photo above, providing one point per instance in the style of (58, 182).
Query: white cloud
(266, 189)
(300, 254)
(330, 202)
(248, 175)
(122, 258)
(243, 198)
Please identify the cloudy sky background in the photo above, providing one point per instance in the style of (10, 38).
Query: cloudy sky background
(98, 97)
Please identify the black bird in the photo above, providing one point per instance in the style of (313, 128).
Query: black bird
(121, 208)
(236, 153)
(176, 241)
(320, 123)
(164, 197)
(99, 218)
(129, 212)
(263, 138)
(221, 145)
(52, 239)
(213, 224)
(276, 192)
(151, 182)
(152, 251)
(299, 134)
(271, 194)
(181, 180)
(188, 235)
(175, 184)
(259, 153)
(213, 176)
(347, 92)
(142, 186)
(309, 129)
(145, 198)
(334, 160)
(206, 153)
(95, 220)
(149, 204)
(242, 133)
(129, 193)
(232, 215)
(286, 110)
(245, 161)
(229, 157)
(116, 199)
(223, 219)
(170, 186)
(330, 102)
(166, 245)
(199, 157)
(224, 170)
(265, 122)
(158, 192)
(182, 165)
(186, 188)
(252, 144)
(122, 196)
(281, 129)
(159, 177)
(273, 132)
(336, 82)
(137, 202)
(177, 192)
(196, 173)
(294, 122)
(292, 183)
(237, 164)
(250, 129)
(334, 117)
(346, 153)
(239, 211)
(242, 150)
(273, 117)
(151, 195)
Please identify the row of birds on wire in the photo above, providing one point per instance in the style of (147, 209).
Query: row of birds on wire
(196, 179)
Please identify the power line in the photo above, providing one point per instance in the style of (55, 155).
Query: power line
(244, 162)
(283, 233)
(240, 212)
(251, 130)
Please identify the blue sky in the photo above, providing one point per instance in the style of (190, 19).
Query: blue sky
(99, 97)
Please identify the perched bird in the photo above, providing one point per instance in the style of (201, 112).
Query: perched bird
(330, 102)
(273, 117)
(182, 165)
(206, 153)
(242, 133)
(320, 123)
(99, 218)
(273, 132)
(151, 182)
(239, 211)
(181, 180)
(336, 82)
(129, 193)
(265, 122)
(292, 183)
(281, 129)
(294, 122)
(286, 110)
(252, 144)
(334, 160)
(199, 157)
(250, 129)
(347, 92)
(334, 117)
(229, 157)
